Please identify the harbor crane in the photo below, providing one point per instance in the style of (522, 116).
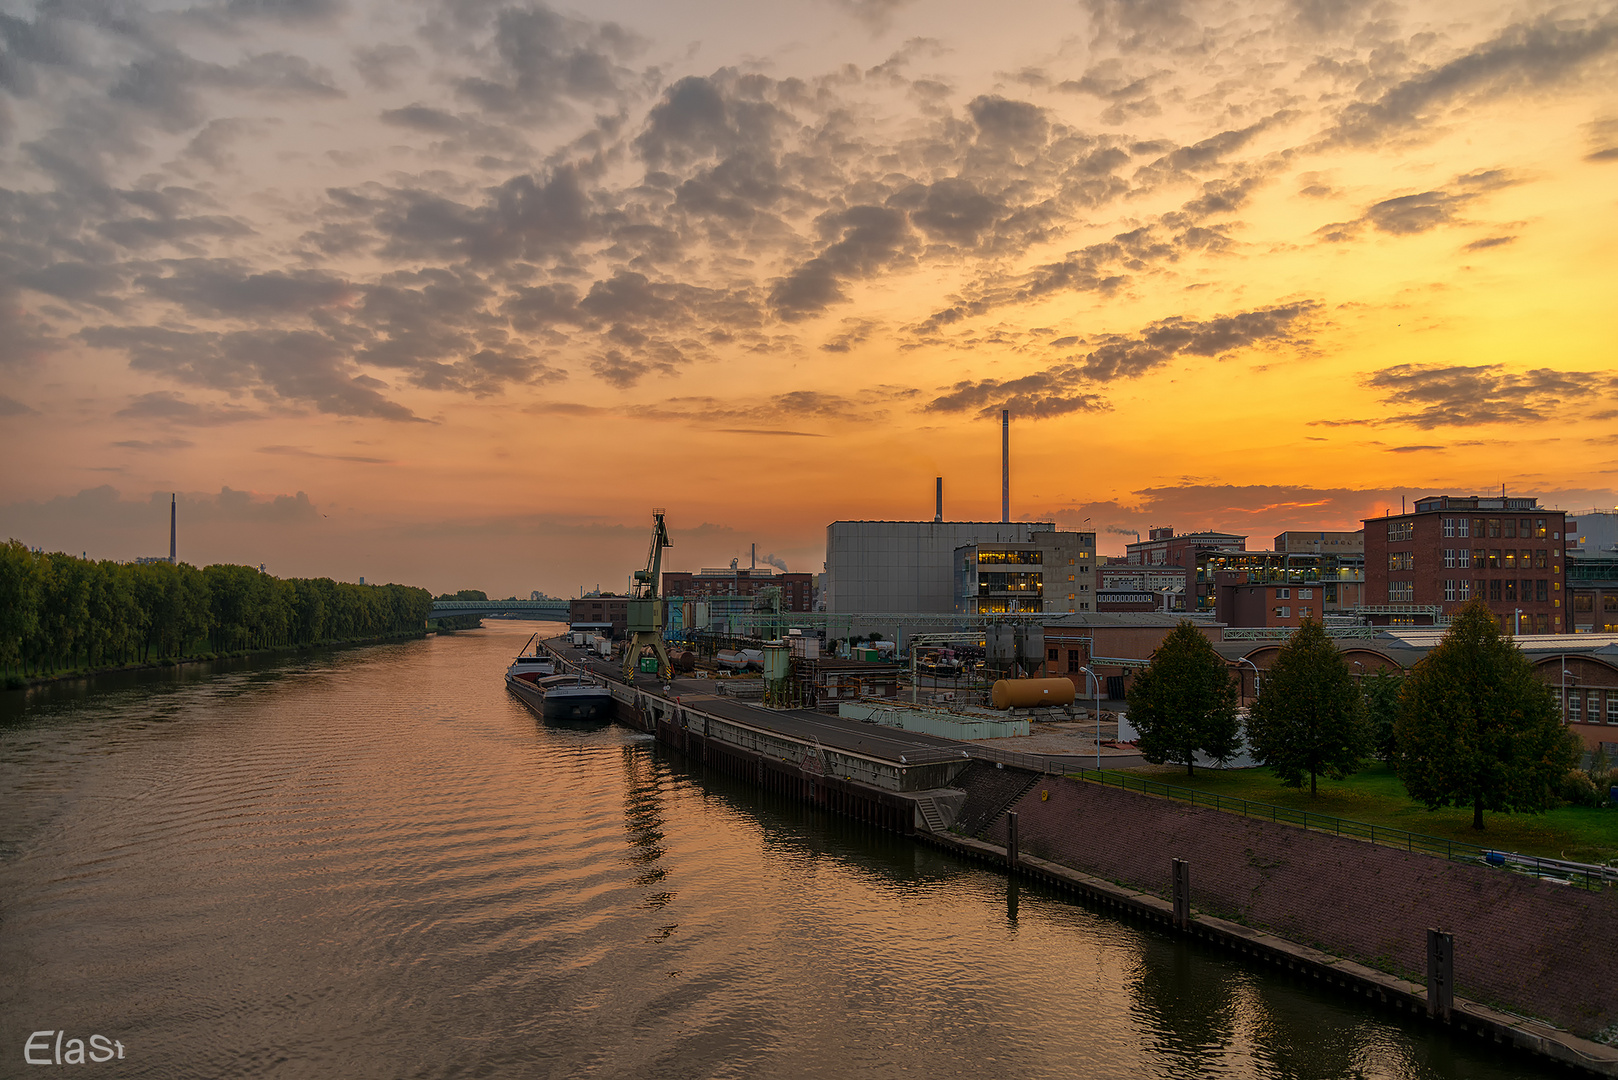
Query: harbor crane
(646, 607)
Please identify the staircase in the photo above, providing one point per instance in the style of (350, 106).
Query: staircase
(930, 814)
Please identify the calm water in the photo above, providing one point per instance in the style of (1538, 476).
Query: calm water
(375, 863)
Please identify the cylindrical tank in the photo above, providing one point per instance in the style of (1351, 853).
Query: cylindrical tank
(1031, 693)
(751, 658)
(730, 658)
(686, 661)
(777, 661)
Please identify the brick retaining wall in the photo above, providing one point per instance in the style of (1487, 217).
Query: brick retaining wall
(1521, 944)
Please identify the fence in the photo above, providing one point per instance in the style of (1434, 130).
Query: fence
(1583, 875)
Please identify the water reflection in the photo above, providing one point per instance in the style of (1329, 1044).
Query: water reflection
(309, 871)
(1185, 1004)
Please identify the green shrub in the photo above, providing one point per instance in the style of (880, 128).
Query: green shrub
(1580, 790)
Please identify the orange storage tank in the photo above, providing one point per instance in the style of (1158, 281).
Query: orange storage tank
(1031, 693)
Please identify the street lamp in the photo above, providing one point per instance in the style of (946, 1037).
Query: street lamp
(1249, 663)
(1097, 680)
(1566, 675)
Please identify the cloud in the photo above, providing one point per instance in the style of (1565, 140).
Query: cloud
(1408, 215)
(299, 366)
(1524, 56)
(155, 444)
(305, 452)
(169, 407)
(1453, 395)
(1055, 390)
(10, 406)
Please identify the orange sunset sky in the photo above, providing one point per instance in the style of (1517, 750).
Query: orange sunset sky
(454, 293)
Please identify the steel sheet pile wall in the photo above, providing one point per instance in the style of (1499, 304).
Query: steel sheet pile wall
(1523, 944)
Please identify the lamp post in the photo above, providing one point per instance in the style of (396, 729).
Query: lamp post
(1359, 676)
(1566, 675)
(1097, 680)
(1517, 626)
(1249, 663)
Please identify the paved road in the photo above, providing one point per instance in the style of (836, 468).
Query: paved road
(874, 740)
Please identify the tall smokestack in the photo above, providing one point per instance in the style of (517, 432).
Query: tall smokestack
(171, 528)
(1005, 466)
(938, 501)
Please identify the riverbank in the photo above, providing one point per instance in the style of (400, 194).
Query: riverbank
(22, 682)
(1350, 914)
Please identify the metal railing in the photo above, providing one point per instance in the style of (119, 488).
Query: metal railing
(1584, 875)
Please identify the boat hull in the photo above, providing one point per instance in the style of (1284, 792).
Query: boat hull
(577, 704)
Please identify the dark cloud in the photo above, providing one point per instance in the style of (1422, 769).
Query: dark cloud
(160, 445)
(1440, 395)
(865, 241)
(1489, 242)
(10, 406)
(1411, 449)
(1056, 390)
(170, 407)
(1135, 25)
(1523, 57)
(294, 365)
(305, 452)
(222, 289)
(543, 63)
(1603, 139)
(527, 217)
(1407, 215)
(697, 119)
(379, 65)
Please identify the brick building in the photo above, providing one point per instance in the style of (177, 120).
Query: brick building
(600, 612)
(1448, 550)
(797, 590)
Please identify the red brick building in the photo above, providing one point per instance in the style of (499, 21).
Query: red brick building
(797, 590)
(1449, 550)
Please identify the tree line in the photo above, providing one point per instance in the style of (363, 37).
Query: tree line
(59, 612)
(1471, 725)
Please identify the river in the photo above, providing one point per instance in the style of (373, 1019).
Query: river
(375, 863)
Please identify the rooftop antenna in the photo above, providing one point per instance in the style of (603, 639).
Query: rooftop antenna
(1005, 466)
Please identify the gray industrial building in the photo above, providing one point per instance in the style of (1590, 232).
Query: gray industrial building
(906, 567)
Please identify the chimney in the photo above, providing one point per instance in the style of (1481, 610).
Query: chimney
(938, 501)
(171, 528)
(1005, 466)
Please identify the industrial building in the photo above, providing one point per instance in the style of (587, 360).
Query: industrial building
(797, 590)
(907, 567)
(1428, 563)
(1053, 572)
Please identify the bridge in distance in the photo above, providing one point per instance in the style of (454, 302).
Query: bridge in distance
(551, 610)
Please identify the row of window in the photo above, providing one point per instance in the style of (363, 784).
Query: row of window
(1286, 594)
(1494, 559)
(1284, 611)
(1503, 527)
(1505, 590)
(1578, 700)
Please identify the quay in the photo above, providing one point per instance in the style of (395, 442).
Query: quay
(968, 799)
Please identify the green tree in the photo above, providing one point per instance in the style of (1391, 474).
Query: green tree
(1478, 728)
(1381, 694)
(1308, 718)
(1185, 701)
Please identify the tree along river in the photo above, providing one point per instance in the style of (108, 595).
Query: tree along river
(376, 863)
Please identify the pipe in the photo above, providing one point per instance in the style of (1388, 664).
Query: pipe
(1005, 466)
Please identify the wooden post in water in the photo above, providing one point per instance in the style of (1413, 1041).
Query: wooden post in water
(1440, 974)
(1182, 894)
(1011, 841)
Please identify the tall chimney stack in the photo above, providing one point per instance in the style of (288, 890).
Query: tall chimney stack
(1005, 466)
(938, 501)
(171, 528)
